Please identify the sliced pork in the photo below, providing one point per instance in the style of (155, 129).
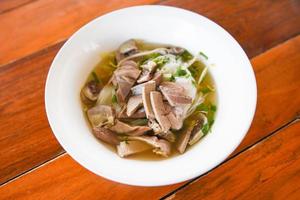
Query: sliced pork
(133, 104)
(161, 146)
(159, 111)
(127, 148)
(106, 135)
(146, 89)
(175, 94)
(101, 115)
(124, 78)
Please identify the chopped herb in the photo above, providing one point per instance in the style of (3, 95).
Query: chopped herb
(196, 69)
(205, 128)
(186, 56)
(209, 110)
(114, 99)
(169, 77)
(180, 72)
(202, 54)
(213, 108)
(151, 56)
(161, 60)
(172, 78)
(206, 89)
(95, 77)
(202, 107)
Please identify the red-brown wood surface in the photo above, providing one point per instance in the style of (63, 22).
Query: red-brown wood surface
(8, 5)
(255, 24)
(65, 169)
(268, 170)
(31, 33)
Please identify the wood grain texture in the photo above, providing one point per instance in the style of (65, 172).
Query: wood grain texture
(268, 170)
(268, 68)
(258, 25)
(277, 74)
(26, 139)
(71, 181)
(25, 124)
(43, 23)
(9, 5)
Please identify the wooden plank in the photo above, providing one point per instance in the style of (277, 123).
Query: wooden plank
(26, 139)
(71, 181)
(268, 67)
(43, 23)
(277, 75)
(9, 5)
(268, 170)
(48, 22)
(257, 25)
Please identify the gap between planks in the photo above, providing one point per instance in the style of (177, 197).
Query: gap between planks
(34, 168)
(172, 194)
(17, 6)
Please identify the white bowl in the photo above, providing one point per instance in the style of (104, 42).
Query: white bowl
(232, 72)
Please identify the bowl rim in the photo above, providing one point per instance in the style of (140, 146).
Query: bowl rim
(143, 183)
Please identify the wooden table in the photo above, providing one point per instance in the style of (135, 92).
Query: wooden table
(34, 166)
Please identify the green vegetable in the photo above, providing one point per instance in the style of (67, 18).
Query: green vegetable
(202, 107)
(206, 89)
(210, 110)
(202, 54)
(186, 56)
(114, 99)
(196, 69)
(160, 60)
(172, 78)
(213, 108)
(205, 128)
(151, 56)
(95, 77)
(169, 77)
(180, 72)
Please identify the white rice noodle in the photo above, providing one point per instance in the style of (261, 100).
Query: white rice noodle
(144, 53)
(197, 101)
(204, 72)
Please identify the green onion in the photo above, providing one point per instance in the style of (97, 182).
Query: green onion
(114, 99)
(95, 77)
(180, 72)
(149, 57)
(172, 78)
(202, 54)
(206, 89)
(186, 56)
(210, 110)
(205, 128)
(213, 108)
(202, 107)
